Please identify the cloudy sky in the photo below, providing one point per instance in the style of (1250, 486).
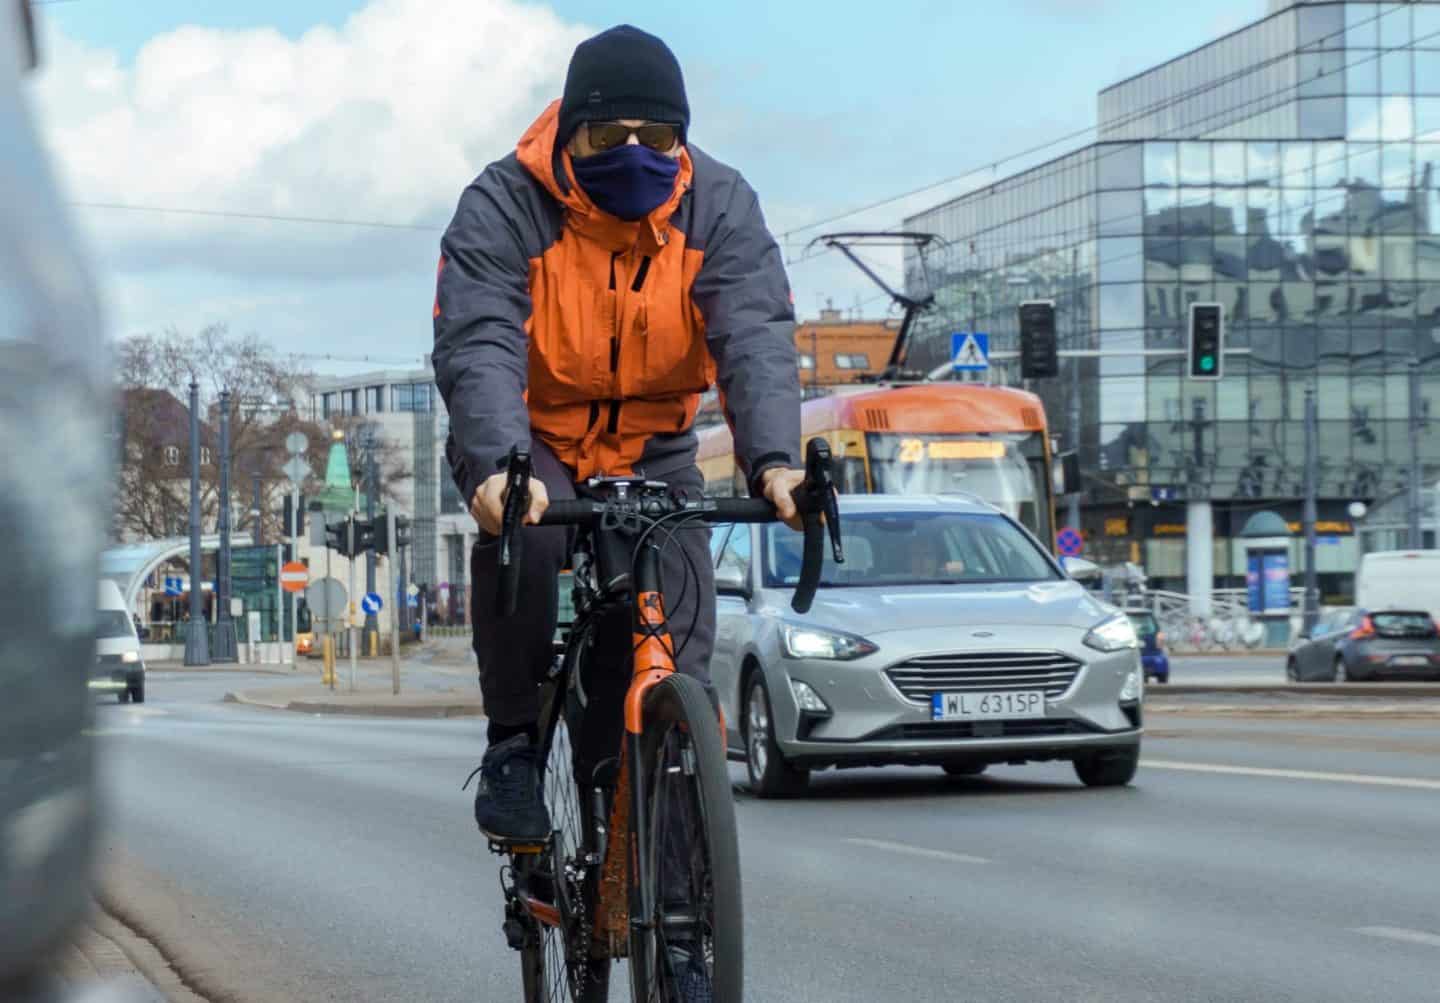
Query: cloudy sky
(309, 152)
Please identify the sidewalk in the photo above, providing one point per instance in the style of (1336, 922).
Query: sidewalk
(370, 696)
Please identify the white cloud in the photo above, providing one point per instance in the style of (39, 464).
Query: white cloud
(386, 118)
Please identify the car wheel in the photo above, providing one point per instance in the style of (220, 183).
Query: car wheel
(1162, 680)
(770, 775)
(136, 691)
(965, 769)
(1109, 767)
(1342, 674)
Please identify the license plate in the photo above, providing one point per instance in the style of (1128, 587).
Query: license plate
(987, 706)
(1412, 660)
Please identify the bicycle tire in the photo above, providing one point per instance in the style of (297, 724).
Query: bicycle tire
(548, 974)
(683, 767)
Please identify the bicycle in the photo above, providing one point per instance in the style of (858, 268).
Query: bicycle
(642, 862)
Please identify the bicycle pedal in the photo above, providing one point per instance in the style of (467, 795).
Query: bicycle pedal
(505, 849)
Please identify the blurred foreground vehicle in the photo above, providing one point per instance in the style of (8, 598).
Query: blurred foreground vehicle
(55, 472)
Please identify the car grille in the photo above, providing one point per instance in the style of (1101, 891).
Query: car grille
(109, 660)
(939, 730)
(984, 671)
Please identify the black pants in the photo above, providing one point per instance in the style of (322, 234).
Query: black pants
(515, 654)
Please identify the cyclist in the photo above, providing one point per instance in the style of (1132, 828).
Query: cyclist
(591, 286)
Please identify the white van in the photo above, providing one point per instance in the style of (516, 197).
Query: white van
(119, 666)
(1400, 579)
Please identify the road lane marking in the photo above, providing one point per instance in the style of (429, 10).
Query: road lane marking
(1414, 783)
(1399, 933)
(917, 851)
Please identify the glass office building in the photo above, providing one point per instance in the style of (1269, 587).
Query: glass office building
(1289, 171)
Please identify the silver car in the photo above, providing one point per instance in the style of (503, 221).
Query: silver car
(949, 637)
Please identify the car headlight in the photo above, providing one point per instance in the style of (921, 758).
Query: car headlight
(130, 656)
(811, 642)
(1114, 634)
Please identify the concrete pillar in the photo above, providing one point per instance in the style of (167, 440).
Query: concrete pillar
(1199, 555)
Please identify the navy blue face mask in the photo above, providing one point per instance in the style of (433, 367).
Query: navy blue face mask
(629, 182)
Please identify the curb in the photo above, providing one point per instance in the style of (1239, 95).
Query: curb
(1297, 710)
(200, 670)
(471, 708)
(1339, 691)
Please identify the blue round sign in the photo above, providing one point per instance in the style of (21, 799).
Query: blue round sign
(371, 603)
(1070, 541)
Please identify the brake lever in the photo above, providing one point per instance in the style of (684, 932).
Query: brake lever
(517, 503)
(824, 498)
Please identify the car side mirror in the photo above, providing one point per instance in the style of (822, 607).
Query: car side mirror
(1080, 569)
(730, 580)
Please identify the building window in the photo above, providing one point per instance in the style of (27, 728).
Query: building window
(374, 400)
(852, 361)
(807, 361)
(450, 503)
(411, 396)
(351, 399)
(172, 456)
(327, 405)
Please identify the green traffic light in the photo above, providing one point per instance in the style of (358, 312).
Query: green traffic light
(1207, 363)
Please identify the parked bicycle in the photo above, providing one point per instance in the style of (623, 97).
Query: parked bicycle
(642, 862)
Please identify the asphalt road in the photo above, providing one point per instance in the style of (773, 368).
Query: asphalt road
(292, 857)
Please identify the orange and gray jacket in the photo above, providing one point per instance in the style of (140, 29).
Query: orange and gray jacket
(598, 336)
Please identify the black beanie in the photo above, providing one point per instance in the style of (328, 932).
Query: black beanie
(623, 73)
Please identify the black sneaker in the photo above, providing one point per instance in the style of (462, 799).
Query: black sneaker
(508, 803)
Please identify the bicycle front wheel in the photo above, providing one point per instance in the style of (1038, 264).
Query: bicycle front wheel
(686, 922)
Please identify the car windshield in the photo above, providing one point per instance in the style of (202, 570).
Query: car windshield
(113, 623)
(915, 548)
(1403, 624)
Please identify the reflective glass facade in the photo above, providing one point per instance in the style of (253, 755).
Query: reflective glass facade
(1289, 171)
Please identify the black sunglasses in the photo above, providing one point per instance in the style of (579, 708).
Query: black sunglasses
(660, 136)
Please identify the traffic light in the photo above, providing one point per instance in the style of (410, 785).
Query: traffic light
(382, 533)
(337, 537)
(365, 536)
(1207, 341)
(290, 511)
(1039, 351)
(402, 531)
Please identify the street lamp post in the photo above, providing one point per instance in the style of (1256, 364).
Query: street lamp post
(197, 637)
(226, 645)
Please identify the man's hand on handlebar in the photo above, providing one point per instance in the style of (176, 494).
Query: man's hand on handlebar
(488, 505)
(778, 485)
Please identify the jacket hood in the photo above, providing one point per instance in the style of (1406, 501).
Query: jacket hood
(537, 153)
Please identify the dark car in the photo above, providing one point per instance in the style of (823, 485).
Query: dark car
(1355, 645)
(1152, 645)
(55, 478)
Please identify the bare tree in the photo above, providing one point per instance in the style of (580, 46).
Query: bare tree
(270, 394)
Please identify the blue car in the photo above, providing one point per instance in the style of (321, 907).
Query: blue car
(1152, 645)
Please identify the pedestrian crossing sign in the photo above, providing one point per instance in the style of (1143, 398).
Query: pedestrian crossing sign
(970, 352)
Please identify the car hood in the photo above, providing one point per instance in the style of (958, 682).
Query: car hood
(873, 611)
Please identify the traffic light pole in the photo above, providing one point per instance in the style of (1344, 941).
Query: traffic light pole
(1311, 609)
(350, 608)
(372, 623)
(395, 609)
(1413, 487)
